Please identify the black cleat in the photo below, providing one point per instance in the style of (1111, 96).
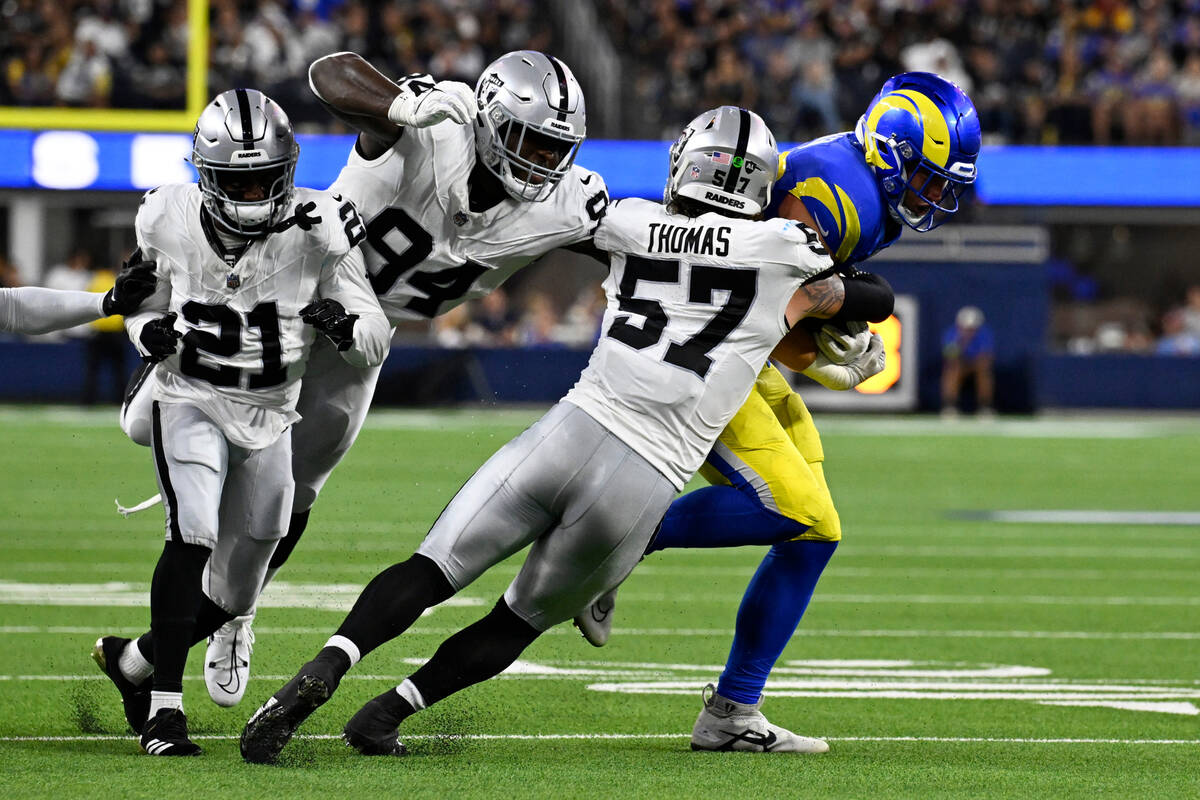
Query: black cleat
(373, 731)
(166, 734)
(276, 721)
(136, 699)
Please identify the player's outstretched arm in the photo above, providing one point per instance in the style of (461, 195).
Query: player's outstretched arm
(32, 310)
(367, 100)
(348, 313)
(135, 282)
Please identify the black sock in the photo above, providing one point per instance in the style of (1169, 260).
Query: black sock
(288, 543)
(335, 659)
(474, 654)
(394, 600)
(396, 706)
(145, 645)
(175, 600)
(209, 617)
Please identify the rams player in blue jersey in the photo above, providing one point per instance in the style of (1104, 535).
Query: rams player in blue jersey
(906, 164)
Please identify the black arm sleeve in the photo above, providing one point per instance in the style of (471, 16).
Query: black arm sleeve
(588, 248)
(868, 298)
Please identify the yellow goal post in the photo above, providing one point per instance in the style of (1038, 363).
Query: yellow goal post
(125, 119)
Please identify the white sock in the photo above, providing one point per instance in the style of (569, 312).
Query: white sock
(133, 664)
(346, 646)
(409, 691)
(160, 700)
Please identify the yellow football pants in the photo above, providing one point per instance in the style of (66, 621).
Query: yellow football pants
(772, 445)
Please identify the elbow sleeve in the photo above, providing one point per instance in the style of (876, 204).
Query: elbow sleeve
(868, 298)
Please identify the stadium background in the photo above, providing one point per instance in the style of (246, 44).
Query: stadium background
(1077, 243)
(1013, 610)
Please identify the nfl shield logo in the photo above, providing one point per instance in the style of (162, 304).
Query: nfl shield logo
(232, 281)
(695, 171)
(460, 218)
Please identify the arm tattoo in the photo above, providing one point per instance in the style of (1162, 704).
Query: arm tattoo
(824, 297)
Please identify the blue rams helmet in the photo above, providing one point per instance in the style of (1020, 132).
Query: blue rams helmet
(921, 137)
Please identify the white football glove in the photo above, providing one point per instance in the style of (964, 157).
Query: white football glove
(844, 346)
(450, 100)
(841, 377)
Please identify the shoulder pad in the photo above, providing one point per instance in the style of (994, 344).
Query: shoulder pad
(157, 205)
(330, 219)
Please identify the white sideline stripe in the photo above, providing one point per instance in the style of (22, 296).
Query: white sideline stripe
(723, 633)
(610, 736)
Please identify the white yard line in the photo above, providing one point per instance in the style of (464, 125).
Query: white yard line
(610, 736)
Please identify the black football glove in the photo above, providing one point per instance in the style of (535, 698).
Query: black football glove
(158, 337)
(330, 318)
(135, 282)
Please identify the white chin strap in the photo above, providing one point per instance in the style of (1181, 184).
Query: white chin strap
(249, 214)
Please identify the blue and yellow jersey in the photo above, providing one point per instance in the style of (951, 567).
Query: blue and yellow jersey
(831, 177)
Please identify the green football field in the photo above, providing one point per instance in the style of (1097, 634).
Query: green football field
(1013, 613)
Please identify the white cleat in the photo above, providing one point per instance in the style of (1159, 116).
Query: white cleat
(724, 725)
(227, 661)
(595, 623)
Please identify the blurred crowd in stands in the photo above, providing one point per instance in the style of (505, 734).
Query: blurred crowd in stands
(1040, 71)
(133, 53)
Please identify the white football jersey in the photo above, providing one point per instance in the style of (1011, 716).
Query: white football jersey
(244, 345)
(425, 250)
(695, 307)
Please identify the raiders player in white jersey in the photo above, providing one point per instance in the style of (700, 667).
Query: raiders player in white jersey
(699, 294)
(451, 210)
(33, 310)
(251, 270)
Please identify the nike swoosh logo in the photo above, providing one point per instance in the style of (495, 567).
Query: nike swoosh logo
(935, 141)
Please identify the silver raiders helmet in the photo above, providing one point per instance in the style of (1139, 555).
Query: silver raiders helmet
(725, 158)
(245, 153)
(531, 124)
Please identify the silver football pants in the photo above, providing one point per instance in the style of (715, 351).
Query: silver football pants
(229, 499)
(586, 502)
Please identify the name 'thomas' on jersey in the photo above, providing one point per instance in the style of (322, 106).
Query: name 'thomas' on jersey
(244, 345)
(695, 307)
(425, 250)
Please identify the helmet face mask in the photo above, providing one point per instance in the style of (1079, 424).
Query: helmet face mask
(725, 159)
(532, 122)
(245, 153)
(921, 137)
